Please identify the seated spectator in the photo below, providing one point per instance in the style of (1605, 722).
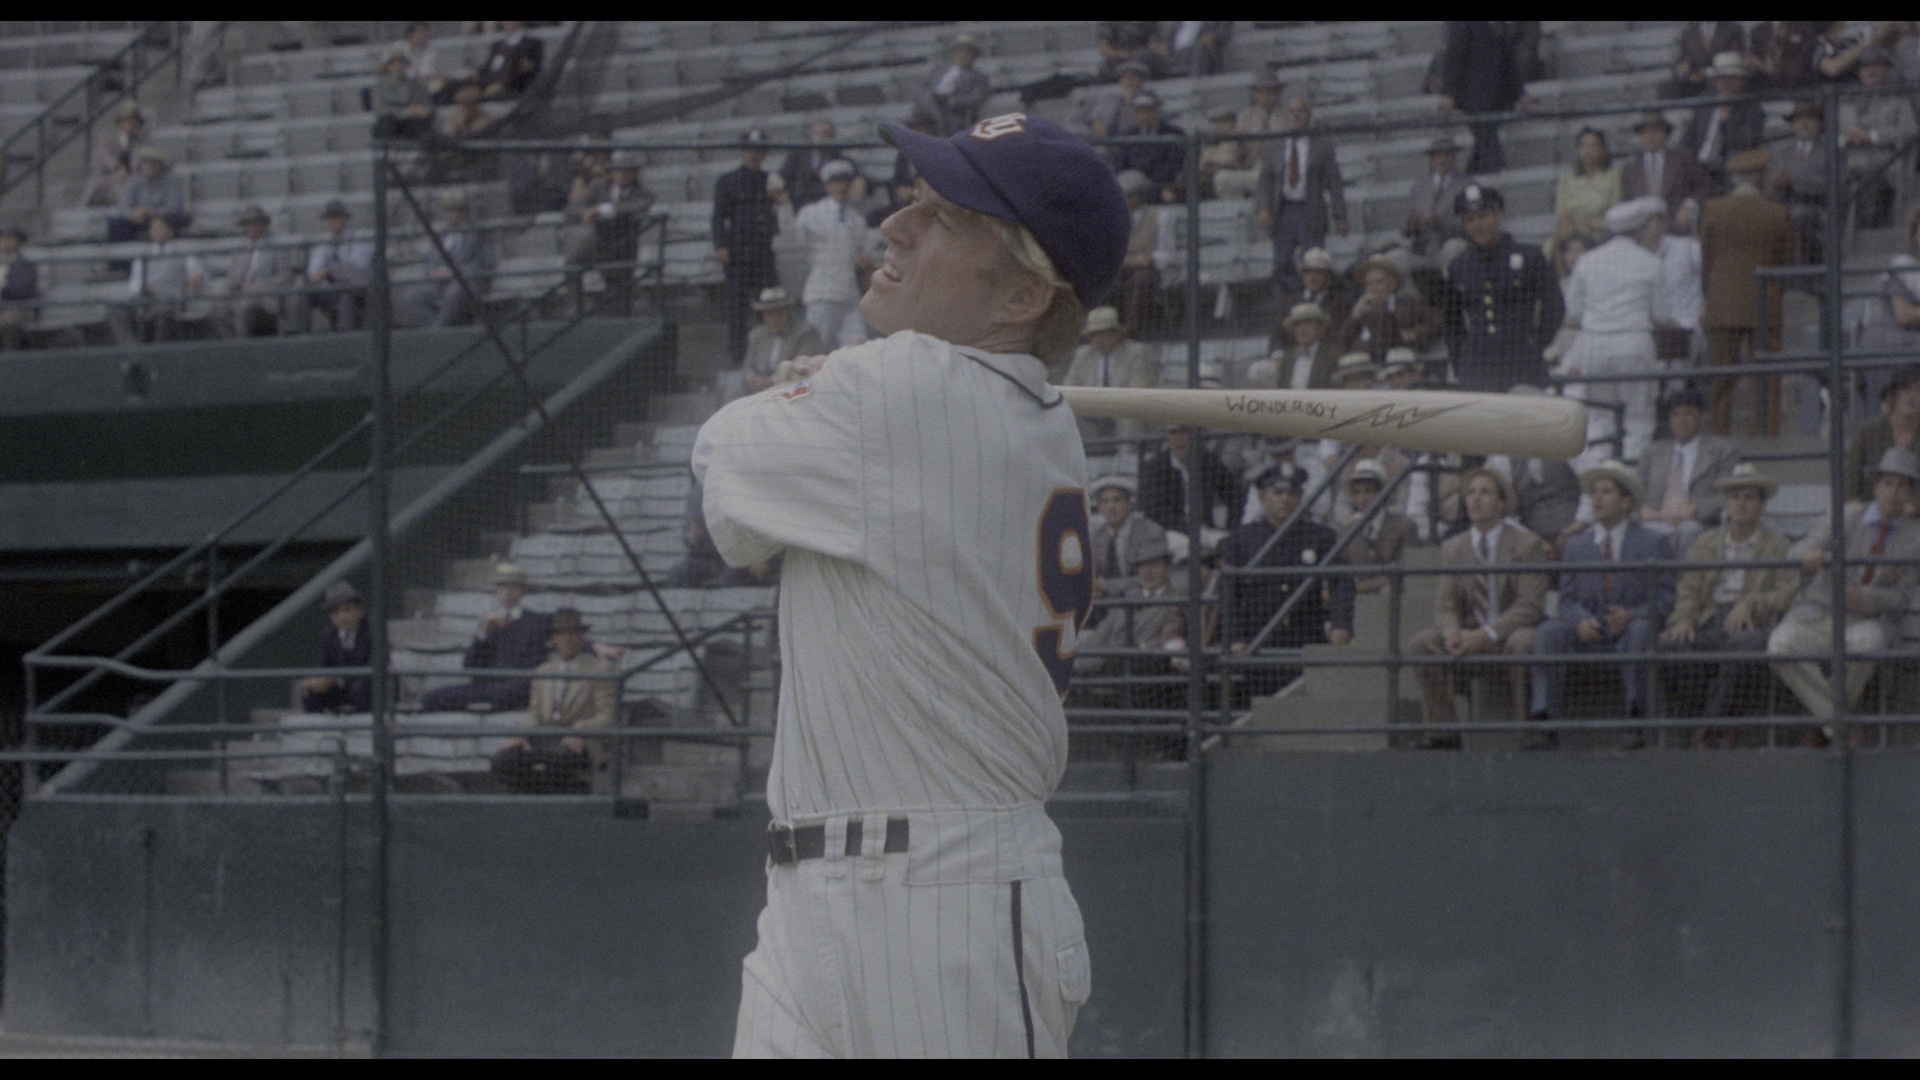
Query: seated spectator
(512, 639)
(469, 116)
(781, 336)
(562, 765)
(1698, 51)
(1894, 326)
(1782, 53)
(1164, 164)
(1134, 295)
(338, 270)
(1301, 354)
(1324, 614)
(1433, 231)
(19, 287)
(1111, 358)
(442, 299)
(1112, 113)
(1123, 42)
(113, 155)
(838, 249)
(346, 644)
(1727, 608)
(800, 172)
(255, 277)
(422, 66)
(1876, 594)
(402, 107)
(1478, 611)
(160, 288)
(1873, 128)
(1682, 473)
(154, 191)
(1604, 607)
(956, 90)
(1386, 535)
(1120, 535)
(1586, 193)
(1355, 371)
(614, 211)
(1546, 496)
(1263, 114)
(512, 64)
(1320, 285)
(1718, 132)
(1896, 429)
(1402, 370)
(1193, 47)
(1227, 167)
(1387, 315)
(1673, 175)
(1799, 178)
(1156, 627)
(1163, 484)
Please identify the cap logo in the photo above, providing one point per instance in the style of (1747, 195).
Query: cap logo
(995, 127)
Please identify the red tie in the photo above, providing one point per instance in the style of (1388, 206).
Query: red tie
(1293, 163)
(1606, 556)
(1879, 548)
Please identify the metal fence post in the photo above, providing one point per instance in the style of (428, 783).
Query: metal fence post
(1196, 681)
(380, 315)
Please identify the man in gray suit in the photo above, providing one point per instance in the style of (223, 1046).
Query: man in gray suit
(1435, 236)
(1682, 473)
(1876, 594)
(1111, 358)
(255, 276)
(1800, 177)
(440, 301)
(1120, 535)
(1298, 193)
(1872, 128)
(160, 290)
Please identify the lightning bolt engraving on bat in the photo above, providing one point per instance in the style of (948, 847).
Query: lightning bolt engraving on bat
(1399, 416)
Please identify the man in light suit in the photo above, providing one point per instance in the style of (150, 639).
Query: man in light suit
(1434, 234)
(160, 290)
(1111, 358)
(1682, 473)
(1304, 359)
(543, 764)
(1872, 128)
(1604, 605)
(1674, 175)
(1800, 178)
(258, 268)
(1120, 535)
(439, 300)
(1718, 132)
(1480, 611)
(1876, 594)
(1298, 194)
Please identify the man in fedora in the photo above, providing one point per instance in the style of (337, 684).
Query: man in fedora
(511, 638)
(1718, 132)
(1799, 178)
(1387, 315)
(1433, 232)
(1605, 604)
(781, 336)
(1479, 610)
(255, 276)
(338, 270)
(1727, 607)
(584, 700)
(113, 151)
(1163, 163)
(1698, 52)
(1616, 298)
(1682, 472)
(346, 644)
(1111, 358)
(154, 190)
(1263, 113)
(1227, 168)
(1324, 614)
(1657, 169)
(1120, 534)
(1301, 353)
(1876, 594)
(956, 90)
(745, 220)
(1320, 284)
(1387, 533)
(613, 207)
(1873, 127)
(440, 300)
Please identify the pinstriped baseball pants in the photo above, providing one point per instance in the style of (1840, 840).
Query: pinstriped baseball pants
(951, 949)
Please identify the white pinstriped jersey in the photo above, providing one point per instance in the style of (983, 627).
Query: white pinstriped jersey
(935, 523)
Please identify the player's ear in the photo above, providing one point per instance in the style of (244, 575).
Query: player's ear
(1028, 299)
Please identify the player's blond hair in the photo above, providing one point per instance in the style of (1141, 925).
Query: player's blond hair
(1058, 330)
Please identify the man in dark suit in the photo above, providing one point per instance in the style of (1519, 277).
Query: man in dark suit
(1324, 614)
(1718, 132)
(614, 210)
(19, 284)
(512, 64)
(1682, 473)
(1800, 177)
(1163, 484)
(1503, 300)
(1163, 163)
(801, 170)
(1694, 53)
(1298, 193)
(1484, 72)
(511, 638)
(1604, 606)
(744, 223)
(1673, 175)
(346, 644)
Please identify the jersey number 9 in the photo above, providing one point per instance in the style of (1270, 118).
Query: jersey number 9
(1066, 581)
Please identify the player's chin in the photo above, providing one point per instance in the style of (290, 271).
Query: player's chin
(875, 310)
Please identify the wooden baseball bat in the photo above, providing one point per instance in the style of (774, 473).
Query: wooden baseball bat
(1441, 421)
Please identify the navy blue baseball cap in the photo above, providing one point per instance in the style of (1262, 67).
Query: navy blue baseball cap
(1034, 173)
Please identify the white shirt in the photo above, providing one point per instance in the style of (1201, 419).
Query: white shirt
(1685, 293)
(1618, 288)
(1486, 548)
(918, 490)
(163, 275)
(1710, 142)
(835, 234)
(1609, 540)
(1303, 366)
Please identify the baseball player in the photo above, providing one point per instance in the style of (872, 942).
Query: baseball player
(927, 489)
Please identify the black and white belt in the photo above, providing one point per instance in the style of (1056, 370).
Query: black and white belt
(786, 846)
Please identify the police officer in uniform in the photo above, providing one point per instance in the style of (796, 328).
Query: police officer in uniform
(1326, 614)
(743, 228)
(1503, 300)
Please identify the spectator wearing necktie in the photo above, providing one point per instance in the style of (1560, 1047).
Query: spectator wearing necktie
(1800, 178)
(338, 270)
(1298, 194)
(254, 278)
(1111, 358)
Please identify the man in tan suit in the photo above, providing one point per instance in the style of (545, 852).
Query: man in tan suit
(1111, 358)
(1682, 473)
(542, 764)
(1727, 608)
(1739, 233)
(1300, 355)
(1876, 594)
(1464, 622)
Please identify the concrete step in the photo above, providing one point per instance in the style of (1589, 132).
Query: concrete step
(470, 574)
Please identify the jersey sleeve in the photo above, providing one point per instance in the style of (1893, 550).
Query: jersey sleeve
(785, 468)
